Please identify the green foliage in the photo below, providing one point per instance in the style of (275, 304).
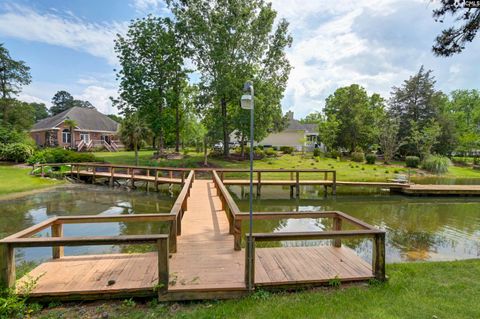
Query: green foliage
(261, 294)
(335, 282)
(358, 157)
(13, 75)
(133, 132)
(286, 149)
(436, 164)
(353, 117)
(422, 138)
(60, 155)
(14, 303)
(370, 158)
(317, 152)
(412, 161)
(15, 152)
(62, 101)
(270, 152)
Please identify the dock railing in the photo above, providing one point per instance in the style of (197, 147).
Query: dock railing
(336, 235)
(57, 241)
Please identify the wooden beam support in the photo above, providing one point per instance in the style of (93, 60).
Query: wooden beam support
(337, 225)
(7, 266)
(57, 231)
(378, 262)
(163, 271)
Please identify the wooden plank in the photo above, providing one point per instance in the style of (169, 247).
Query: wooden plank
(31, 230)
(315, 235)
(57, 231)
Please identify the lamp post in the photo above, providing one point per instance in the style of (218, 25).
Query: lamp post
(247, 102)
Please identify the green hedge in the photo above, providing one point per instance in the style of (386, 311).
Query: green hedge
(60, 155)
(16, 152)
(436, 164)
(287, 149)
(370, 158)
(358, 157)
(412, 161)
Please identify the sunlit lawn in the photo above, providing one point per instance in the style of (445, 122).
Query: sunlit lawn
(14, 179)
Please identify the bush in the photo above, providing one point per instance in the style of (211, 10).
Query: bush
(334, 154)
(436, 164)
(370, 158)
(287, 149)
(16, 152)
(270, 152)
(476, 160)
(412, 161)
(317, 152)
(60, 155)
(258, 153)
(358, 157)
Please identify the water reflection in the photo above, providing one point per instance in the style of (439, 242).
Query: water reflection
(418, 228)
(24, 212)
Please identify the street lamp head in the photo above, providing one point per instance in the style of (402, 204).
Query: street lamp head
(247, 102)
(247, 99)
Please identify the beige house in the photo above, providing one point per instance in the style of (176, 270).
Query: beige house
(93, 130)
(297, 135)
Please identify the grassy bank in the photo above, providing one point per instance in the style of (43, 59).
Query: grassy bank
(415, 290)
(346, 170)
(14, 179)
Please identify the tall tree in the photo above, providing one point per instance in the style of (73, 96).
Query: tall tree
(466, 23)
(13, 75)
(133, 131)
(233, 41)
(61, 101)
(357, 115)
(40, 110)
(415, 102)
(151, 57)
(388, 139)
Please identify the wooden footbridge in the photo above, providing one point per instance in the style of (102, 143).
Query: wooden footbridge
(294, 179)
(201, 257)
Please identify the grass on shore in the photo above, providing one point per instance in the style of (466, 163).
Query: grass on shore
(415, 290)
(346, 170)
(15, 179)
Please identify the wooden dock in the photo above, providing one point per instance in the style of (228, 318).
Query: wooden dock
(206, 255)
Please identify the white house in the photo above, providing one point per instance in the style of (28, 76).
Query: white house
(296, 135)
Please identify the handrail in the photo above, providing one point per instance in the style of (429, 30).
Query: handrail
(180, 206)
(231, 209)
(378, 256)
(7, 252)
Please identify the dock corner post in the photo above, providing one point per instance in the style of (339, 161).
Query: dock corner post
(112, 173)
(78, 172)
(132, 174)
(163, 272)
(297, 184)
(259, 183)
(337, 225)
(172, 237)
(7, 266)
(378, 263)
(237, 234)
(250, 263)
(334, 183)
(57, 231)
(42, 174)
(156, 179)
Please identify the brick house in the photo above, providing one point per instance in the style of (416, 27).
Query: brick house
(93, 130)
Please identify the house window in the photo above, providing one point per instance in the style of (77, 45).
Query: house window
(66, 136)
(311, 138)
(85, 137)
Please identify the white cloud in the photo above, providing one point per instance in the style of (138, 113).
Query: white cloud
(62, 30)
(100, 97)
(148, 6)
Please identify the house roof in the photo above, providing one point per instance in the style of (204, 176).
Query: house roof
(86, 119)
(295, 125)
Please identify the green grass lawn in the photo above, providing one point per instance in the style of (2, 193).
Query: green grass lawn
(14, 179)
(346, 170)
(415, 290)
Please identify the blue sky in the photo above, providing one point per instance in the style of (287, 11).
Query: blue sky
(375, 43)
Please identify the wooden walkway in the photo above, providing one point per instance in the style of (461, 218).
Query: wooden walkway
(205, 265)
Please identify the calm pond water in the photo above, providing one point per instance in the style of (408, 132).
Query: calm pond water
(20, 213)
(418, 228)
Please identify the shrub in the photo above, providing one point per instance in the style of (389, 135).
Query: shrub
(316, 152)
(287, 149)
(436, 164)
(476, 160)
(60, 155)
(270, 152)
(358, 157)
(258, 154)
(370, 158)
(334, 154)
(412, 161)
(16, 152)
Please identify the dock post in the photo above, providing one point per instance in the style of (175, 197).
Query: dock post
(297, 184)
(148, 182)
(41, 171)
(334, 183)
(378, 262)
(112, 172)
(7, 266)
(325, 186)
(78, 172)
(57, 231)
(156, 180)
(183, 178)
(250, 275)
(93, 176)
(337, 225)
(173, 236)
(259, 183)
(291, 191)
(237, 234)
(162, 252)
(132, 174)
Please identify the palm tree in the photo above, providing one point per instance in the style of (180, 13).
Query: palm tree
(71, 125)
(133, 131)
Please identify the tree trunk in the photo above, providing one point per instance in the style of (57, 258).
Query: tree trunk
(177, 129)
(226, 149)
(242, 146)
(205, 161)
(160, 130)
